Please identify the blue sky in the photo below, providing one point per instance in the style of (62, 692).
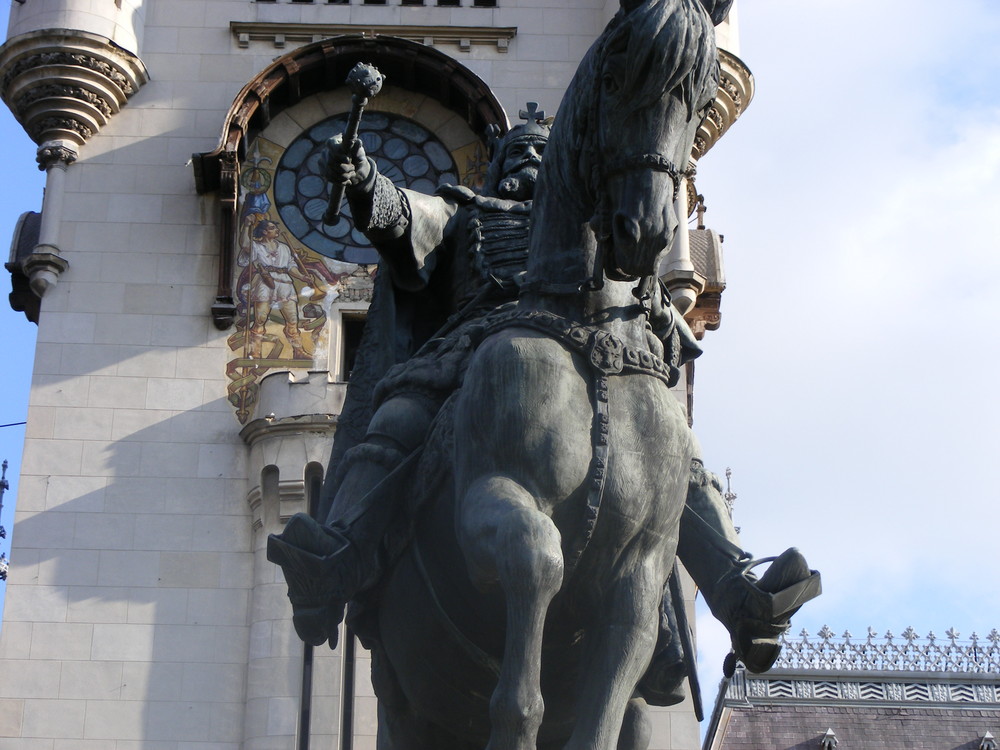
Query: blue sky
(851, 387)
(20, 191)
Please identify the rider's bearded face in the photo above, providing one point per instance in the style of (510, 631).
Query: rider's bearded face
(520, 168)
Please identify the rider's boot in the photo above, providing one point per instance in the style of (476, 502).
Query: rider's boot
(755, 612)
(310, 556)
(326, 566)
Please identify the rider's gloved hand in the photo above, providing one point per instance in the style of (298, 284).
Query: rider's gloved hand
(345, 169)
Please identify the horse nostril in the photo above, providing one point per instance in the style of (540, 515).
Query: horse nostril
(625, 230)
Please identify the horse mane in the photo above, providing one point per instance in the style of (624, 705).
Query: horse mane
(670, 50)
(682, 61)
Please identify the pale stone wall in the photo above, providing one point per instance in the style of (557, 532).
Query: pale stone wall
(140, 611)
(121, 21)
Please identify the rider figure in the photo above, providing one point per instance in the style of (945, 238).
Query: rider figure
(471, 248)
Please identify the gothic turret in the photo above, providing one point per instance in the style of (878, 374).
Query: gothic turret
(65, 70)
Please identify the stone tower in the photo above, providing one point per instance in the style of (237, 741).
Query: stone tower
(164, 442)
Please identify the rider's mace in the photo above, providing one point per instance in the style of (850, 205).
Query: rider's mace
(365, 82)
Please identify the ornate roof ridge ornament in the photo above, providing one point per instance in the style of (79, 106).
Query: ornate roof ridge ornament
(906, 653)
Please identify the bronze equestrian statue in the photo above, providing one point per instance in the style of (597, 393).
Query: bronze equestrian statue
(527, 464)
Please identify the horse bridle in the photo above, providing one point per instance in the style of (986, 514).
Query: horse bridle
(601, 221)
(599, 174)
(653, 162)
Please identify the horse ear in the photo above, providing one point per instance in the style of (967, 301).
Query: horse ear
(492, 135)
(717, 9)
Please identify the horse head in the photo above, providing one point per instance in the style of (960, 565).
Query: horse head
(656, 74)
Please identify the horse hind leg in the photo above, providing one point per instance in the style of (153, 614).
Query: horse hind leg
(506, 538)
(619, 647)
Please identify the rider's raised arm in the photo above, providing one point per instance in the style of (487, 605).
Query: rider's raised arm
(407, 228)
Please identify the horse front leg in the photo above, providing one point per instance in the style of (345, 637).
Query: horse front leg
(506, 539)
(618, 651)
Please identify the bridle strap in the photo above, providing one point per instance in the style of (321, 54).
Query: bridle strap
(652, 162)
(600, 171)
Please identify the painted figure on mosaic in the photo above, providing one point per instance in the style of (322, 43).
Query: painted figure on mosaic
(274, 268)
(282, 320)
(284, 289)
(523, 460)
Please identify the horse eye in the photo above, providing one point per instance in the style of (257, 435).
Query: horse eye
(610, 84)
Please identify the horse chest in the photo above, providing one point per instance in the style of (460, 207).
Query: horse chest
(649, 453)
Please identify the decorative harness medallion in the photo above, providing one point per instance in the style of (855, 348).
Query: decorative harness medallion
(607, 352)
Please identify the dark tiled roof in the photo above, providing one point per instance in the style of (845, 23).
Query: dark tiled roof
(864, 728)
(706, 257)
(893, 693)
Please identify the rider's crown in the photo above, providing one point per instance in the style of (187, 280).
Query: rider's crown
(536, 125)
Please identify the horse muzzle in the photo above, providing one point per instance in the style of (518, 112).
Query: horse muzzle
(637, 246)
(642, 218)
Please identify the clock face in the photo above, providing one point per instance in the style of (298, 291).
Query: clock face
(405, 152)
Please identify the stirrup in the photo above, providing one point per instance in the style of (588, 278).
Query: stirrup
(767, 609)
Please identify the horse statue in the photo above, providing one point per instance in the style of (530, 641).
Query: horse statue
(561, 465)
(522, 605)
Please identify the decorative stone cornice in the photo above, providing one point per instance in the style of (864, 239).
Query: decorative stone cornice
(893, 690)
(271, 427)
(736, 88)
(64, 84)
(280, 34)
(706, 276)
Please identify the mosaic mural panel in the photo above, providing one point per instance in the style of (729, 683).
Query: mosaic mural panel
(292, 268)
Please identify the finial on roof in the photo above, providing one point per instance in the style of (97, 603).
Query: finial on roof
(828, 741)
(988, 742)
(729, 496)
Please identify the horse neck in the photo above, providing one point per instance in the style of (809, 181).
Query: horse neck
(561, 258)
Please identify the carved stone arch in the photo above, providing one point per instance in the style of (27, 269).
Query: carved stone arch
(311, 70)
